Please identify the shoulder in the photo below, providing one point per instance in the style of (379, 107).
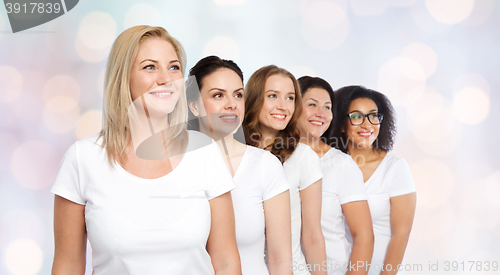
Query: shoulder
(262, 157)
(336, 156)
(88, 145)
(394, 162)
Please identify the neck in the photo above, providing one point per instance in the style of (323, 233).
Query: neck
(318, 145)
(362, 155)
(268, 136)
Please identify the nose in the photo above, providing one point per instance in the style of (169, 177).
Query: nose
(366, 123)
(230, 103)
(281, 104)
(164, 77)
(321, 113)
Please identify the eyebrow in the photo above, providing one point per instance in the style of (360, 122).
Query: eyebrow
(328, 102)
(372, 111)
(156, 61)
(222, 90)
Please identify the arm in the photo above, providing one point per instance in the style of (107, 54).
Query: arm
(221, 244)
(70, 237)
(402, 213)
(357, 216)
(278, 233)
(313, 241)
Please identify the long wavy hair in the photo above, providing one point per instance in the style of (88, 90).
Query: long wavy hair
(344, 96)
(288, 138)
(116, 133)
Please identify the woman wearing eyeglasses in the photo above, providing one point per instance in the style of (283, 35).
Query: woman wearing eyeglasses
(365, 128)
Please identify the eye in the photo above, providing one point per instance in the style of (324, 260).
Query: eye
(373, 115)
(327, 107)
(238, 95)
(355, 115)
(149, 67)
(272, 96)
(312, 105)
(175, 67)
(292, 98)
(218, 95)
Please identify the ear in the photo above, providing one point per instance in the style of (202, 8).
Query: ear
(342, 129)
(193, 106)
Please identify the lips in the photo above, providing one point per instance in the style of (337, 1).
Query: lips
(365, 134)
(162, 93)
(279, 117)
(229, 118)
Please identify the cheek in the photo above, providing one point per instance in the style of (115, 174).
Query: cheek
(291, 108)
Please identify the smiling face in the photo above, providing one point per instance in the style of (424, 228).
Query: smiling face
(365, 134)
(279, 103)
(221, 105)
(156, 76)
(316, 113)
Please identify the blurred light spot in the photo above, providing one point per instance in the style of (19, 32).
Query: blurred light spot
(434, 182)
(12, 84)
(433, 125)
(424, 20)
(402, 80)
(450, 11)
(88, 54)
(324, 25)
(368, 7)
(472, 80)
(424, 55)
(97, 30)
(23, 223)
(229, 2)
(439, 222)
(61, 85)
(222, 46)
(401, 3)
(481, 12)
(23, 257)
(475, 207)
(8, 143)
(100, 82)
(471, 105)
(189, 33)
(493, 189)
(61, 114)
(34, 164)
(29, 106)
(299, 71)
(142, 14)
(89, 124)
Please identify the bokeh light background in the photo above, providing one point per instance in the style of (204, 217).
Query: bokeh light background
(437, 60)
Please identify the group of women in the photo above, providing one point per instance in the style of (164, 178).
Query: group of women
(310, 188)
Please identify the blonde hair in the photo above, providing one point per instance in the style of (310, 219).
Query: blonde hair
(115, 133)
(288, 138)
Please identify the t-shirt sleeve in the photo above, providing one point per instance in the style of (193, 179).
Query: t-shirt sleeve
(275, 181)
(310, 164)
(67, 183)
(402, 181)
(219, 179)
(351, 185)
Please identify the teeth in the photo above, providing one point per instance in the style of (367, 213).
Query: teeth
(228, 117)
(316, 123)
(365, 134)
(161, 93)
(279, 116)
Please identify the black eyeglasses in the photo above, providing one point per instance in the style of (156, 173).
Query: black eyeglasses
(357, 118)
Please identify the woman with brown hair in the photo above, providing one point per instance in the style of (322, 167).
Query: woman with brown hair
(273, 106)
(144, 215)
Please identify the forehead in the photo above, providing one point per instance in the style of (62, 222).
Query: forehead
(157, 49)
(362, 104)
(222, 78)
(319, 94)
(279, 83)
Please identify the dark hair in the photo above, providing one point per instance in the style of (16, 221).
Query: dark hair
(344, 97)
(286, 141)
(202, 69)
(309, 82)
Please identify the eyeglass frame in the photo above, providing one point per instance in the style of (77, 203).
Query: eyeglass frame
(364, 117)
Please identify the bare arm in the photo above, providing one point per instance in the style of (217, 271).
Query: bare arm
(357, 215)
(278, 233)
(402, 213)
(221, 244)
(313, 241)
(70, 237)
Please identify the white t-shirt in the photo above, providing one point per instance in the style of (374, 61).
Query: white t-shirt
(259, 177)
(145, 226)
(342, 183)
(391, 178)
(302, 169)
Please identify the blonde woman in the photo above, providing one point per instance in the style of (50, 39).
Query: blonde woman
(166, 213)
